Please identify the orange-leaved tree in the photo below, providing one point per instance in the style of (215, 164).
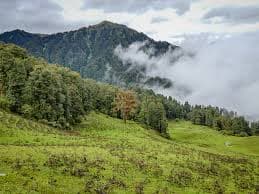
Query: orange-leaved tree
(125, 102)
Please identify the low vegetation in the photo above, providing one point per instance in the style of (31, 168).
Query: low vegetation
(104, 155)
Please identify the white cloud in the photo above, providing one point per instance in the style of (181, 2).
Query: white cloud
(233, 14)
(159, 20)
(217, 70)
(60, 15)
(137, 6)
(39, 16)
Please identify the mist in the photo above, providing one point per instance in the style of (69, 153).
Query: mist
(208, 69)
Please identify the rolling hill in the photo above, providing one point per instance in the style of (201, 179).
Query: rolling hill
(104, 155)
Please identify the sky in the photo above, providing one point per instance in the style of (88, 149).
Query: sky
(165, 20)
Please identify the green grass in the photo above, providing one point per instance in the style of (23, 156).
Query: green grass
(104, 155)
(212, 140)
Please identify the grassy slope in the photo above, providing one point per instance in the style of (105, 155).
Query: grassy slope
(211, 140)
(103, 155)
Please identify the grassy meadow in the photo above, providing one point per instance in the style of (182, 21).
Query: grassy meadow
(104, 155)
(208, 139)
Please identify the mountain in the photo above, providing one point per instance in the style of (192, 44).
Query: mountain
(90, 51)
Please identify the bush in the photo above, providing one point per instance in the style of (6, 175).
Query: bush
(245, 182)
(242, 134)
(4, 103)
(181, 177)
(227, 132)
(166, 135)
(216, 186)
(27, 110)
(78, 171)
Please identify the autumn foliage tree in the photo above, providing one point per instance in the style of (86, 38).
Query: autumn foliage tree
(125, 103)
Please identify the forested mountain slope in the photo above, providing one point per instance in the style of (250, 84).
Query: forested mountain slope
(60, 97)
(90, 51)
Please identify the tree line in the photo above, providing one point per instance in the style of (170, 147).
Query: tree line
(60, 97)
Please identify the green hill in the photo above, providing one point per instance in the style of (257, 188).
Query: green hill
(104, 155)
(211, 140)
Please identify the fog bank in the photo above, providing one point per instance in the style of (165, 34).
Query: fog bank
(221, 71)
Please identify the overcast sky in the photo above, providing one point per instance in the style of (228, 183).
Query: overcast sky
(160, 19)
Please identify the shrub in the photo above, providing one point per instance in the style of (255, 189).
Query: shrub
(27, 110)
(139, 188)
(181, 177)
(245, 182)
(54, 161)
(242, 134)
(4, 103)
(227, 132)
(78, 171)
(215, 186)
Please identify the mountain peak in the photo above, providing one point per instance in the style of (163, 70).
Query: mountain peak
(90, 51)
(103, 24)
(17, 31)
(106, 23)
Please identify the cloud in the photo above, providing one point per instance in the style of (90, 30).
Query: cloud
(233, 14)
(209, 69)
(142, 54)
(138, 6)
(159, 20)
(37, 16)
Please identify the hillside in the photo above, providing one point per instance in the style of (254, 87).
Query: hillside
(210, 140)
(82, 136)
(90, 51)
(104, 155)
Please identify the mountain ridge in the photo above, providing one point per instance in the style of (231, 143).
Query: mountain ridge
(90, 51)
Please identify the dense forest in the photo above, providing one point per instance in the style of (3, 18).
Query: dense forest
(60, 97)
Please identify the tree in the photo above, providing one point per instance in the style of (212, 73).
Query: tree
(105, 98)
(126, 103)
(156, 117)
(255, 128)
(197, 116)
(43, 93)
(17, 77)
(240, 125)
(152, 114)
(186, 109)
